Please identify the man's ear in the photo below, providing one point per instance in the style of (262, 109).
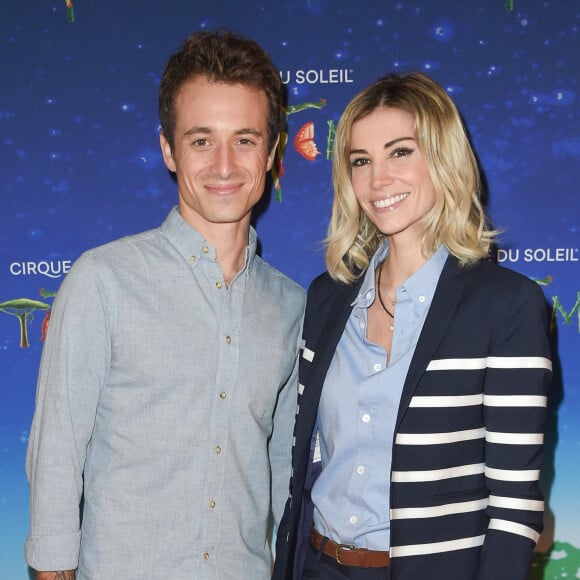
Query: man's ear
(166, 152)
(272, 154)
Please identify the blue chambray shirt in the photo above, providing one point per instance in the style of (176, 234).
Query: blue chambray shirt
(358, 410)
(174, 397)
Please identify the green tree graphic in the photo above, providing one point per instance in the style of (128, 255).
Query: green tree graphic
(23, 309)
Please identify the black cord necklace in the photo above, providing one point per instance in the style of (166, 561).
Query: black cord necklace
(381, 298)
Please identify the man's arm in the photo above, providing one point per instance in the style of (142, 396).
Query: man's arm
(280, 448)
(73, 368)
(63, 575)
(280, 445)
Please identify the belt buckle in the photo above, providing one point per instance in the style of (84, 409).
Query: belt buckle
(340, 547)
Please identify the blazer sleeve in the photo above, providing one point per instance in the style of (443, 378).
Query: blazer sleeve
(515, 401)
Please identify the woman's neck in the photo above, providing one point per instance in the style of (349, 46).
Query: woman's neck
(402, 261)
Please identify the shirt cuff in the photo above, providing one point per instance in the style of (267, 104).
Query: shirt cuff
(47, 553)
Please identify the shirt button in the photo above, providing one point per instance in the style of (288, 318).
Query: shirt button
(421, 298)
(228, 339)
(366, 418)
(360, 470)
(369, 295)
(223, 395)
(377, 367)
(205, 249)
(353, 519)
(218, 450)
(193, 258)
(218, 284)
(212, 504)
(206, 555)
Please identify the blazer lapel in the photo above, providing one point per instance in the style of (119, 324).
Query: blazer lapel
(334, 320)
(445, 301)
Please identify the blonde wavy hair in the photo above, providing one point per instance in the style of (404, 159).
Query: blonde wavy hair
(457, 219)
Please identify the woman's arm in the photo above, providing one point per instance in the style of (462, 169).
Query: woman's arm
(515, 400)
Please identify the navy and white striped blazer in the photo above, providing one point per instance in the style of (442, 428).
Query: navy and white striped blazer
(467, 450)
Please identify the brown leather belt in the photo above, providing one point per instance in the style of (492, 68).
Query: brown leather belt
(348, 555)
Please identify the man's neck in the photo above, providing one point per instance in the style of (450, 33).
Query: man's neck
(229, 240)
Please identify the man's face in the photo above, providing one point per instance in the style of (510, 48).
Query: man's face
(220, 156)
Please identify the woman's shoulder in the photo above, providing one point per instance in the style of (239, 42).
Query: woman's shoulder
(490, 277)
(324, 287)
(493, 272)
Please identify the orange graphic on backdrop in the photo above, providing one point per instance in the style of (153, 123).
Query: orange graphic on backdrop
(278, 167)
(304, 142)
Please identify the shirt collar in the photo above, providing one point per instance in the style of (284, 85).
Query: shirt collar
(366, 293)
(193, 247)
(420, 286)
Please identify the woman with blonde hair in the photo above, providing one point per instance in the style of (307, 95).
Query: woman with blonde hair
(425, 366)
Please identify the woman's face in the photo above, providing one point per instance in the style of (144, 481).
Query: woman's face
(389, 176)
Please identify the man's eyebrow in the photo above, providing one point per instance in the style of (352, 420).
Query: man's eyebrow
(249, 131)
(203, 130)
(197, 130)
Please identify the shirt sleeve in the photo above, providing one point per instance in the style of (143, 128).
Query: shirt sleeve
(515, 401)
(74, 366)
(280, 446)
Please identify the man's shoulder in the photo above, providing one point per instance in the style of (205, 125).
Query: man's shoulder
(277, 279)
(120, 255)
(125, 243)
(120, 251)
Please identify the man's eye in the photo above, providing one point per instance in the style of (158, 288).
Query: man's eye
(200, 143)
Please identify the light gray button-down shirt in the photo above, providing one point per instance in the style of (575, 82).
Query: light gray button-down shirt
(168, 399)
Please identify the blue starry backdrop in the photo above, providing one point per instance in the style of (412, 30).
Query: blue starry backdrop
(80, 165)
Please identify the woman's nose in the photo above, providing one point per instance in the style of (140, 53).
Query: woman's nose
(381, 175)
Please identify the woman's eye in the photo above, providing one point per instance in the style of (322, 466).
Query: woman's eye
(401, 152)
(359, 162)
